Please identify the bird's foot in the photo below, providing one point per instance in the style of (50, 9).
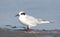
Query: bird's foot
(28, 30)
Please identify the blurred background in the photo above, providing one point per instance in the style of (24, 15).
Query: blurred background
(44, 9)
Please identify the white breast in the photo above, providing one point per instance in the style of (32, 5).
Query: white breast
(26, 21)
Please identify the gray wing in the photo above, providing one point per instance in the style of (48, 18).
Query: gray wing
(38, 21)
(31, 20)
(41, 21)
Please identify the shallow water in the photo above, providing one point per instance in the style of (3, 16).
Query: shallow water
(46, 36)
(44, 9)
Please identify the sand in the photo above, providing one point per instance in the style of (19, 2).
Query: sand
(20, 33)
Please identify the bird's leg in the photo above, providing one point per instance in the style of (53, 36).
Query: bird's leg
(28, 30)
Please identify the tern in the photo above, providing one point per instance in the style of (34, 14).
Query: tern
(30, 21)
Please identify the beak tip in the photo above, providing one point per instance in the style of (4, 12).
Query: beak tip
(17, 15)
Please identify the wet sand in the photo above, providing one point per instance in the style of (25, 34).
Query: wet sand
(20, 33)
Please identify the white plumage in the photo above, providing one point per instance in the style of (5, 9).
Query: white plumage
(30, 20)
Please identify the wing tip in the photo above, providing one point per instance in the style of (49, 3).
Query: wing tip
(52, 21)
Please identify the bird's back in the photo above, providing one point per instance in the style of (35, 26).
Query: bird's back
(28, 20)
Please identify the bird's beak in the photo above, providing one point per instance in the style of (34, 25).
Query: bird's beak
(17, 15)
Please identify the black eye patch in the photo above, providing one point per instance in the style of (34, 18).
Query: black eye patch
(22, 13)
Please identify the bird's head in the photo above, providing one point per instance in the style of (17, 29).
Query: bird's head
(21, 13)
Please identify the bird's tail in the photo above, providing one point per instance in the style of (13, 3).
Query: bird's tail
(45, 21)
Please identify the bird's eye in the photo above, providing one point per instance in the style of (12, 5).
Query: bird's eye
(22, 13)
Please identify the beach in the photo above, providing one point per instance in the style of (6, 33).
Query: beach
(19, 33)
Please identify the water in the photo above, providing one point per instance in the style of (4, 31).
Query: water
(46, 36)
(45, 9)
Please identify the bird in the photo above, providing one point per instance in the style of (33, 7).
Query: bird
(30, 21)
